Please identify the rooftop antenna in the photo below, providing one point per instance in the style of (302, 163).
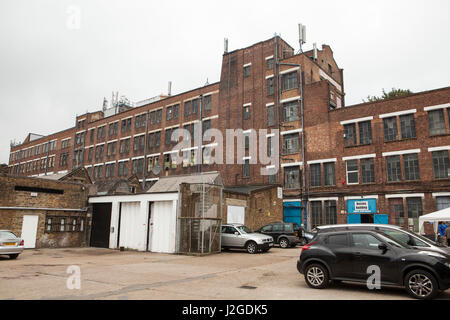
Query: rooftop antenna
(170, 89)
(225, 45)
(301, 35)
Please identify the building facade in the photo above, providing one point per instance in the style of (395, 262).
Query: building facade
(382, 162)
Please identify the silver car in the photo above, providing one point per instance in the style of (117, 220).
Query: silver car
(398, 233)
(239, 236)
(10, 244)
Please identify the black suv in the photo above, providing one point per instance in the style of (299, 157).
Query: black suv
(286, 234)
(347, 256)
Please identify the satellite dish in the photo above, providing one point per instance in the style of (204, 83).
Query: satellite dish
(156, 169)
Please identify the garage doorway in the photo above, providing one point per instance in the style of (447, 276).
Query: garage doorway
(101, 224)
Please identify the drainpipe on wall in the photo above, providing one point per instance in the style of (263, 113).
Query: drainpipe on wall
(145, 165)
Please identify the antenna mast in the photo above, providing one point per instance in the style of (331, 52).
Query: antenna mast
(301, 36)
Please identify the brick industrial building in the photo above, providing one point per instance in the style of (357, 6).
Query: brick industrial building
(382, 161)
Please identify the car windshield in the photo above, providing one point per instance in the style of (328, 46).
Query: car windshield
(7, 235)
(244, 229)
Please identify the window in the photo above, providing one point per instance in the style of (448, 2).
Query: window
(246, 71)
(246, 111)
(270, 86)
(338, 240)
(414, 210)
(269, 146)
(291, 143)
(168, 134)
(367, 171)
(277, 227)
(269, 64)
(316, 213)
(393, 169)
(267, 228)
(126, 125)
(138, 166)
(442, 203)
(441, 165)
(207, 102)
(139, 143)
(330, 212)
(113, 129)
(352, 171)
(365, 132)
(64, 224)
(436, 122)
(101, 132)
(290, 81)
(349, 134)
(158, 116)
(110, 170)
(390, 128)
(111, 151)
(315, 175)
(292, 177)
(62, 160)
(411, 165)
(407, 126)
(176, 109)
(99, 151)
(206, 125)
(140, 121)
(123, 169)
(125, 146)
(195, 106)
(246, 169)
(329, 175)
(187, 108)
(290, 111)
(98, 172)
(365, 241)
(153, 117)
(396, 207)
(64, 144)
(271, 115)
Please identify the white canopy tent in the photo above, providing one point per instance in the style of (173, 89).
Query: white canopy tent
(435, 217)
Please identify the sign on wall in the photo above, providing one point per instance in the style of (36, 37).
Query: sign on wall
(362, 206)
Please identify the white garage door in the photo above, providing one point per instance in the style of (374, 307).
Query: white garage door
(235, 214)
(131, 221)
(164, 226)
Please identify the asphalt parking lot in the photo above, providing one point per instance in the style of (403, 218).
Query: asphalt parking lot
(111, 274)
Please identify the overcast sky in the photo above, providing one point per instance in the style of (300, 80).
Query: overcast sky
(60, 58)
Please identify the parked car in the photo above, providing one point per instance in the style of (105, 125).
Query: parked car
(239, 236)
(404, 236)
(286, 234)
(10, 244)
(345, 255)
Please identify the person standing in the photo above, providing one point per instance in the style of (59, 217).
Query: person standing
(441, 232)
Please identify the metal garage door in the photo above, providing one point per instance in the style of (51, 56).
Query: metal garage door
(164, 226)
(130, 226)
(235, 214)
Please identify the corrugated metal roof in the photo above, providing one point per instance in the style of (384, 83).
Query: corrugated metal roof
(170, 184)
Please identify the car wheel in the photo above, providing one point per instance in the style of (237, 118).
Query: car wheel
(284, 243)
(316, 276)
(251, 247)
(421, 284)
(13, 256)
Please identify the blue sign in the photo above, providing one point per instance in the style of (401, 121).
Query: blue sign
(362, 206)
